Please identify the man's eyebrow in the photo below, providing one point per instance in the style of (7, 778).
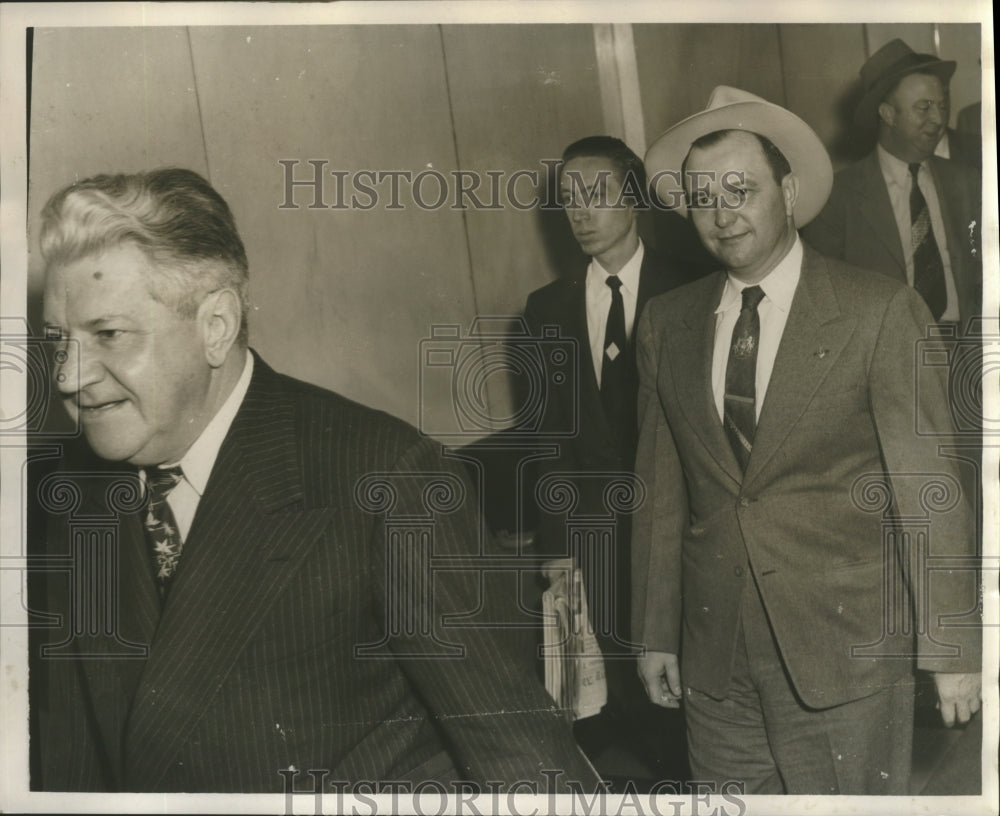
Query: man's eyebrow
(579, 184)
(97, 322)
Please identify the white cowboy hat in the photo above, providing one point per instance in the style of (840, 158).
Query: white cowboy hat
(733, 109)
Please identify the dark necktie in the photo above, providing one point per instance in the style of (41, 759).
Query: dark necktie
(740, 400)
(161, 529)
(928, 270)
(613, 370)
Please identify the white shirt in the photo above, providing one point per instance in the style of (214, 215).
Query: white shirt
(899, 183)
(598, 295)
(200, 458)
(943, 148)
(779, 289)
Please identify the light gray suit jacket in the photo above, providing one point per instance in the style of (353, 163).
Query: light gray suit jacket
(845, 460)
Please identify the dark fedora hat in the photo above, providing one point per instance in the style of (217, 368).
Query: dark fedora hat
(885, 68)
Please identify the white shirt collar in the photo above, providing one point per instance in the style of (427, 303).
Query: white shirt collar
(200, 458)
(779, 285)
(943, 149)
(628, 274)
(894, 170)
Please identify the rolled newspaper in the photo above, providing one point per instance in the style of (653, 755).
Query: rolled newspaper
(574, 666)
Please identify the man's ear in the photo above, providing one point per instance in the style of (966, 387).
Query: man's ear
(887, 113)
(219, 318)
(790, 192)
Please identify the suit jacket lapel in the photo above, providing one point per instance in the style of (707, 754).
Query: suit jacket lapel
(112, 680)
(139, 610)
(815, 335)
(648, 286)
(877, 210)
(248, 537)
(955, 231)
(692, 347)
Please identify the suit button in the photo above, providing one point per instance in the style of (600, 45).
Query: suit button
(744, 501)
(739, 572)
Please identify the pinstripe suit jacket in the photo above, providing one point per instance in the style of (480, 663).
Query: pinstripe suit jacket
(253, 665)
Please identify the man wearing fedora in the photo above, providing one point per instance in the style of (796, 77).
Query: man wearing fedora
(901, 210)
(785, 476)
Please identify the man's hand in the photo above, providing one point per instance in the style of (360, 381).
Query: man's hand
(959, 695)
(661, 675)
(557, 568)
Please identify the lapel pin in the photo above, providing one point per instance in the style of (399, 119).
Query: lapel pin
(822, 353)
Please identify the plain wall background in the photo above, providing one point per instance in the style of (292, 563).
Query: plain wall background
(344, 297)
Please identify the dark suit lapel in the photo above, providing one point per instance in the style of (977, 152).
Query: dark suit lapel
(112, 679)
(649, 285)
(877, 210)
(815, 335)
(139, 610)
(956, 233)
(248, 537)
(692, 346)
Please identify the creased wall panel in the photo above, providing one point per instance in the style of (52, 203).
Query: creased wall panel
(820, 65)
(108, 100)
(520, 94)
(679, 65)
(342, 297)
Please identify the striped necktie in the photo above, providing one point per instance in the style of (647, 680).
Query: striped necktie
(740, 401)
(928, 269)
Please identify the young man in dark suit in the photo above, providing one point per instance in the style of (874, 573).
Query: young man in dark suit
(602, 187)
(789, 441)
(270, 604)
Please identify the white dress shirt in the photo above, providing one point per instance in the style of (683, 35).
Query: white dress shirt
(943, 149)
(779, 289)
(899, 183)
(200, 458)
(598, 295)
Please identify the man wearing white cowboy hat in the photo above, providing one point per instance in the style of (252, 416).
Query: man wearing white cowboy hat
(785, 480)
(901, 210)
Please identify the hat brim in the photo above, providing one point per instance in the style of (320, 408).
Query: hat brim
(866, 113)
(794, 138)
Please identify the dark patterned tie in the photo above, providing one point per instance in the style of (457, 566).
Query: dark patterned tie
(740, 400)
(613, 368)
(161, 529)
(928, 270)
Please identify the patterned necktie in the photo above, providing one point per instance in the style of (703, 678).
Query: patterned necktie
(740, 400)
(161, 529)
(928, 270)
(613, 371)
